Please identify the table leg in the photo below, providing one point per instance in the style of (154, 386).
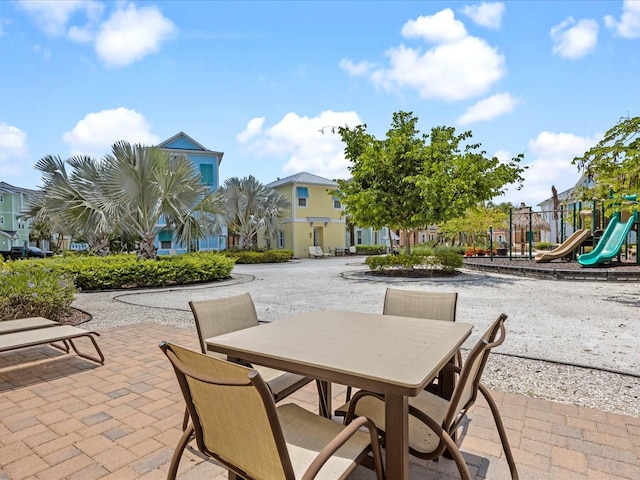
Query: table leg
(397, 436)
(324, 398)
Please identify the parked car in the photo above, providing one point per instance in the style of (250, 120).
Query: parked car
(25, 252)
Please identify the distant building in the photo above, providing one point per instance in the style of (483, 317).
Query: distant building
(208, 163)
(315, 216)
(14, 227)
(561, 220)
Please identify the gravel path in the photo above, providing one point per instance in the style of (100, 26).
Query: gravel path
(591, 324)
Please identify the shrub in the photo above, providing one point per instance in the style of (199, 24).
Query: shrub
(371, 249)
(544, 246)
(251, 256)
(125, 270)
(37, 293)
(442, 261)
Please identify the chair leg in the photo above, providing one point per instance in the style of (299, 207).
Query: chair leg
(501, 431)
(177, 454)
(185, 421)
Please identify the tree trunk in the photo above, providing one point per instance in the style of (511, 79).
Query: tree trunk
(147, 250)
(407, 242)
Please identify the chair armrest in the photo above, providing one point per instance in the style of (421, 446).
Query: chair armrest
(354, 400)
(338, 441)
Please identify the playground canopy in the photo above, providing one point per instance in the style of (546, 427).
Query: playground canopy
(523, 217)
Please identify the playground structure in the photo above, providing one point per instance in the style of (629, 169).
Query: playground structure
(607, 244)
(572, 243)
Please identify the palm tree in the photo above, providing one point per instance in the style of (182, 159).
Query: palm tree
(147, 185)
(130, 191)
(75, 200)
(251, 208)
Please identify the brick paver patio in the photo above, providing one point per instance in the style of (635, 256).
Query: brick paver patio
(63, 417)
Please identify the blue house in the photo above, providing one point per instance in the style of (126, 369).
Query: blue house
(208, 163)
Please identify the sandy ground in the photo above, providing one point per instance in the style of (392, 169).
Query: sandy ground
(595, 324)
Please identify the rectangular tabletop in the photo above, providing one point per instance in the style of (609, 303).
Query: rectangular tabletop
(397, 356)
(383, 353)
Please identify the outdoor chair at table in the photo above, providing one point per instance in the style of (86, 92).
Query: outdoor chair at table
(420, 304)
(235, 421)
(219, 316)
(433, 420)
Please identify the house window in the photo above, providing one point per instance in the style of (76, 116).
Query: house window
(336, 203)
(359, 237)
(303, 194)
(280, 239)
(206, 173)
(165, 238)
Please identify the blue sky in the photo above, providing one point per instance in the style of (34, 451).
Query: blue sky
(258, 80)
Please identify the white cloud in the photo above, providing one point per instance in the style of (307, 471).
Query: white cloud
(551, 155)
(629, 24)
(457, 67)
(254, 128)
(97, 132)
(14, 167)
(132, 33)
(13, 142)
(489, 108)
(486, 14)
(52, 16)
(356, 69)
(452, 71)
(305, 148)
(441, 27)
(574, 40)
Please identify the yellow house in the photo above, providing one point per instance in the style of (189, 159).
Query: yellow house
(314, 218)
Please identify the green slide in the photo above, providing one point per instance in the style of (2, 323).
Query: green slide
(610, 243)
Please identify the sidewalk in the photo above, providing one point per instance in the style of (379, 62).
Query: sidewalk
(64, 417)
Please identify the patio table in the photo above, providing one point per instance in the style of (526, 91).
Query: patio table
(395, 356)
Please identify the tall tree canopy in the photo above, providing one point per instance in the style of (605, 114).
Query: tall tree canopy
(252, 207)
(129, 191)
(410, 180)
(614, 163)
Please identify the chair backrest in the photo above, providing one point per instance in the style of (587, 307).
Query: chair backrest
(233, 413)
(466, 390)
(223, 315)
(419, 304)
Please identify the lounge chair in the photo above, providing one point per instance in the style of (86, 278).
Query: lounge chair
(235, 421)
(433, 420)
(30, 332)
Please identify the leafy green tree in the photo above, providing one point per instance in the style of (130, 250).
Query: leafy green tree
(474, 224)
(251, 208)
(410, 180)
(129, 191)
(614, 163)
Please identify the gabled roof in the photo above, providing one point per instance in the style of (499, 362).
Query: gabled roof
(5, 187)
(303, 178)
(182, 142)
(568, 194)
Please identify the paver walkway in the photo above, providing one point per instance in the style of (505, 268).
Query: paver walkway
(62, 417)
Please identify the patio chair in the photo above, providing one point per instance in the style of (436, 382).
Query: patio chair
(419, 304)
(433, 420)
(218, 316)
(235, 421)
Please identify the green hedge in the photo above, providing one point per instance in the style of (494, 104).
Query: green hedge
(126, 271)
(444, 261)
(36, 293)
(252, 256)
(370, 249)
